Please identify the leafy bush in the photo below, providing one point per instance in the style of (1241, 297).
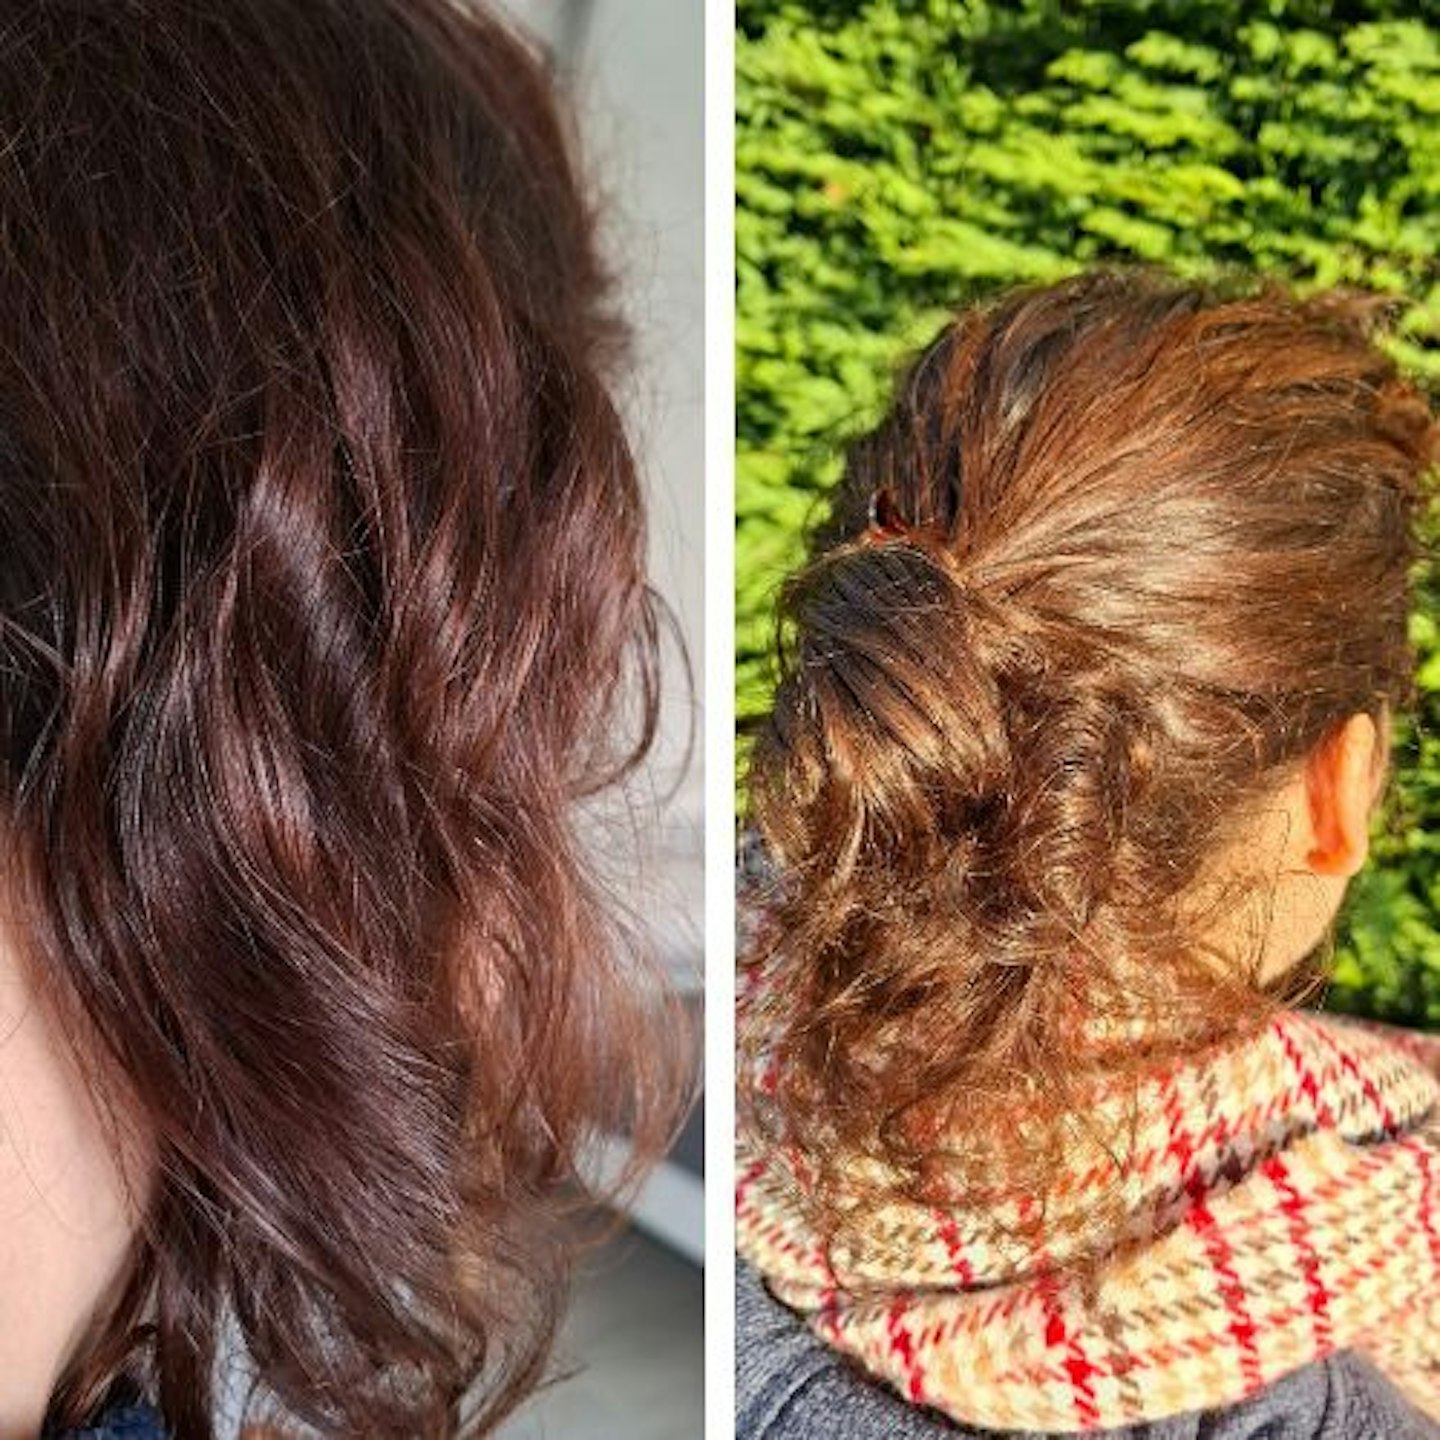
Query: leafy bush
(897, 158)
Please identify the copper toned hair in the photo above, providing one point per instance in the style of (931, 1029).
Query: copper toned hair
(321, 603)
(1123, 552)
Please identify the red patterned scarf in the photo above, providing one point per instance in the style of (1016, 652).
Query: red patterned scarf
(1283, 1204)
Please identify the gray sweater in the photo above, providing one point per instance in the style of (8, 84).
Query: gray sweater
(791, 1386)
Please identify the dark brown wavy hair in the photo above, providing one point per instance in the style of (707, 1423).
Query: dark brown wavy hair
(322, 603)
(1123, 553)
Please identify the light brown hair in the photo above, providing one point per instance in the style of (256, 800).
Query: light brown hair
(1123, 550)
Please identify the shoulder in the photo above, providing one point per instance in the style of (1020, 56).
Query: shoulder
(1361, 1404)
(1341, 1398)
(121, 1422)
(789, 1385)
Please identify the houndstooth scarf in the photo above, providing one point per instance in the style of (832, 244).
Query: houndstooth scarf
(1283, 1204)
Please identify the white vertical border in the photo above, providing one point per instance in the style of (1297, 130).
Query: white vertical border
(719, 719)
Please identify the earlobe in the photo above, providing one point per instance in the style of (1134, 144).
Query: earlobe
(1341, 787)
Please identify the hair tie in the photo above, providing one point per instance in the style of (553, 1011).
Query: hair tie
(888, 526)
(886, 521)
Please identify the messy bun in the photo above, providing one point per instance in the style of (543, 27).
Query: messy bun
(1148, 544)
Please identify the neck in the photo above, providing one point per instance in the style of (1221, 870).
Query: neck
(67, 1207)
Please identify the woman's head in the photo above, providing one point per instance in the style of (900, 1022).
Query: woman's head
(320, 589)
(1069, 736)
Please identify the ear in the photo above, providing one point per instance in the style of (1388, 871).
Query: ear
(1343, 777)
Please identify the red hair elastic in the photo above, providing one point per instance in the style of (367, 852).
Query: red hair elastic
(886, 521)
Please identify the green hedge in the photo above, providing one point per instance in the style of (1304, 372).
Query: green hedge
(899, 157)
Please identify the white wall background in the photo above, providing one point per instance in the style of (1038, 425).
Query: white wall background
(635, 72)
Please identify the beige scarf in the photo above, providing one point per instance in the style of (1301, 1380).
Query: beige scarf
(1284, 1204)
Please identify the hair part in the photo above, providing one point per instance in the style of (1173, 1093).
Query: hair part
(1154, 545)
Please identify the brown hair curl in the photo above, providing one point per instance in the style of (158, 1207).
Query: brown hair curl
(1123, 550)
(321, 575)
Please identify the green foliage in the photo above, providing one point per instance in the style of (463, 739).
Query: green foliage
(1388, 960)
(897, 158)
